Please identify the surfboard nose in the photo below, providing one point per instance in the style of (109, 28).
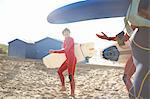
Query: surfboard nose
(88, 10)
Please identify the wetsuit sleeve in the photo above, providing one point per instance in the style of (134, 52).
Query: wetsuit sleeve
(59, 51)
(112, 38)
(105, 37)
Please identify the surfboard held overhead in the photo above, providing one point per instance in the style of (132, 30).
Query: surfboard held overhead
(89, 10)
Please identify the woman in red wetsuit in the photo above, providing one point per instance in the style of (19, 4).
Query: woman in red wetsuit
(70, 62)
(129, 67)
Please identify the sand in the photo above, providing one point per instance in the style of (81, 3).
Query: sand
(30, 79)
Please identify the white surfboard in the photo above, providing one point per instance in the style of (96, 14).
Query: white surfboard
(78, 53)
(55, 60)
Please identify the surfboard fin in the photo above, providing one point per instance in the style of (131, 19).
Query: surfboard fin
(111, 53)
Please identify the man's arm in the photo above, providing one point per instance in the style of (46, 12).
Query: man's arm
(69, 44)
(104, 36)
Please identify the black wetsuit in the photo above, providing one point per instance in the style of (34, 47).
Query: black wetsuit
(141, 58)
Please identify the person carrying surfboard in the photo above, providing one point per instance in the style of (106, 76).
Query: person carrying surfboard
(130, 68)
(70, 63)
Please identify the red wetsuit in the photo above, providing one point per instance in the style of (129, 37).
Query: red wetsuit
(71, 60)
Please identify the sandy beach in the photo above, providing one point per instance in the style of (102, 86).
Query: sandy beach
(30, 79)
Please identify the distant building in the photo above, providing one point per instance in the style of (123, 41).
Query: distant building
(44, 45)
(31, 51)
(17, 48)
(20, 49)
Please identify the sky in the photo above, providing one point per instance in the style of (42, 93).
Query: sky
(27, 20)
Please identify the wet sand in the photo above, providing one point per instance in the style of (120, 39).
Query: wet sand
(30, 79)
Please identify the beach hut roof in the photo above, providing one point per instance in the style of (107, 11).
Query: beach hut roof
(48, 38)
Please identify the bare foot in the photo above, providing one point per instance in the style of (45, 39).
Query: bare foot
(63, 88)
(72, 95)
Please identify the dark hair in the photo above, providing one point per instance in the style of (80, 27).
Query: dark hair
(65, 30)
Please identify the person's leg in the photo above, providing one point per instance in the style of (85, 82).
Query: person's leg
(60, 73)
(129, 71)
(71, 71)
